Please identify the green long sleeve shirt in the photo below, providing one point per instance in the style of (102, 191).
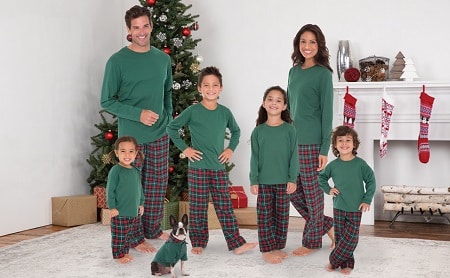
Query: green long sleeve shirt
(310, 93)
(124, 190)
(207, 128)
(274, 154)
(134, 81)
(354, 179)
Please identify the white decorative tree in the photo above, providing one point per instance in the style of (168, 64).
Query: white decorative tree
(409, 71)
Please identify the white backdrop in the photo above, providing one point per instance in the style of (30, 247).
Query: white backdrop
(54, 53)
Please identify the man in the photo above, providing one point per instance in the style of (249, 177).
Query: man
(137, 87)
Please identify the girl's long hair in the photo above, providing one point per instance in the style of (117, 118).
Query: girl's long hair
(262, 113)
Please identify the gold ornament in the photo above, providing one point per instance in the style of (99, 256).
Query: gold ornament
(195, 68)
(106, 158)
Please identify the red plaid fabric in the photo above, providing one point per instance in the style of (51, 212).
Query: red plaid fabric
(308, 199)
(346, 230)
(155, 176)
(273, 216)
(125, 233)
(203, 182)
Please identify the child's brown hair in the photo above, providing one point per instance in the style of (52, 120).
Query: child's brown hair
(344, 131)
(140, 154)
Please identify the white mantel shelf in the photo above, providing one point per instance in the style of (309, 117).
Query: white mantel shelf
(392, 84)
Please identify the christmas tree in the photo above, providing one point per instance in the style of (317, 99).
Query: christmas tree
(172, 33)
(100, 158)
(397, 67)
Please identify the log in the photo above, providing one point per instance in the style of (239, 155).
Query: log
(408, 198)
(415, 190)
(416, 207)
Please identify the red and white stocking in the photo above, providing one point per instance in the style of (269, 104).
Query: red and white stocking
(426, 105)
(387, 106)
(349, 110)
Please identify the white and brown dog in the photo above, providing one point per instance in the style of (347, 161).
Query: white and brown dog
(173, 250)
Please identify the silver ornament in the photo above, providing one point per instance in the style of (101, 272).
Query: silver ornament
(199, 59)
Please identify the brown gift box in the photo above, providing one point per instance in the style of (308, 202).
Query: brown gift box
(100, 193)
(106, 216)
(213, 221)
(74, 210)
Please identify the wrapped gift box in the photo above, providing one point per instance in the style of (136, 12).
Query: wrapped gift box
(213, 221)
(74, 210)
(105, 216)
(100, 193)
(246, 216)
(238, 197)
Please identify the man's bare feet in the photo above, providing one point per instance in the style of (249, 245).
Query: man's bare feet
(280, 253)
(144, 247)
(164, 236)
(125, 259)
(329, 268)
(272, 258)
(330, 234)
(346, 271)
(197, 250)
(303, 251)
(244, 248)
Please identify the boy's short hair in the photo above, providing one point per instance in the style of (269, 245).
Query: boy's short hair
(135, 12)
(209, 71)
(343, 131)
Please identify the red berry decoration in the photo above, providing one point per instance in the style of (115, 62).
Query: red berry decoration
(151, 2)
(171, 169)
(352, 75)
(186, 32)
(129, 37)
(109, 135)
(167, 50)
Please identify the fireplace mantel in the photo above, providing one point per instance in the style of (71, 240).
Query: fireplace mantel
(405, 118)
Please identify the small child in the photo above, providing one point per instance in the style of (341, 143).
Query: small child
(354, 187)
(207, 122)
(273, 172)
(125, 200)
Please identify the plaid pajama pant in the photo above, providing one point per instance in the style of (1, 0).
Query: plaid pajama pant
(125, 233)
(346, 230)
(155, 176)
(308, 199)
(203, 182)
(273, 216)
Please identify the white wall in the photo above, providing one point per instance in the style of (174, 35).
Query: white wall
(52, 60)
(54, 51)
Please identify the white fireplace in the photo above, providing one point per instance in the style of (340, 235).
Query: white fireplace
(401, 164)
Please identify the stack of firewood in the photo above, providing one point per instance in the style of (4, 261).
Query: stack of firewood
(416, 198)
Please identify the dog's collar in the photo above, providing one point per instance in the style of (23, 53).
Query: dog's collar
(176, 240)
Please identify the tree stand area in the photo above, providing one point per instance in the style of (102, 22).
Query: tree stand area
(427, 202)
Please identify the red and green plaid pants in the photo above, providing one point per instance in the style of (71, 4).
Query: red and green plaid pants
(125, 233)
(202, 183)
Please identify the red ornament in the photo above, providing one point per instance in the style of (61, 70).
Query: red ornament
(129, 37)
(151, 2)
(186, 32)
(352, 75)
(171, 169)
(167, 50)
(109, 135)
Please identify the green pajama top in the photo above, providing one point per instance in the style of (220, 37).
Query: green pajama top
(354, 179)
(207, 128)
(274, 154)
(124, 190)
(310, 93)
(135, 81)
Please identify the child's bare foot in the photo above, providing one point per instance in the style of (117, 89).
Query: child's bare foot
(271, 258)
(329, 268)
(197, 250)
(164, 236)
(303, 251)
(281, 254)
(125, 259)
(346, 271)
(144, 247)
(330, 234)
(244, 248)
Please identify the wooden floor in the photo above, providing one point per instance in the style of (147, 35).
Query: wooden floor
(380, 229)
